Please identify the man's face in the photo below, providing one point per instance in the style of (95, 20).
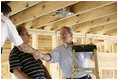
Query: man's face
(25, 36)
(65, 35)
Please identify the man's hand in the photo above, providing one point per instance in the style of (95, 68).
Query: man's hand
(37, 55)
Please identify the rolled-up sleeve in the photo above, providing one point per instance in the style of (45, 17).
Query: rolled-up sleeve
(13, 34)
(55, 55)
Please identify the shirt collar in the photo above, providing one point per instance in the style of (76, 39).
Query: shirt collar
(65, 45)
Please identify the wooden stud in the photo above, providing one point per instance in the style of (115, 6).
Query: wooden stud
(73, 64)
(96, 64)
(35, 41)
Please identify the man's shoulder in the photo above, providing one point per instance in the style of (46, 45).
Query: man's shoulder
(15, 50)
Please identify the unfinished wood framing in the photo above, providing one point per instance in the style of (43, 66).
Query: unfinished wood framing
(92, 22)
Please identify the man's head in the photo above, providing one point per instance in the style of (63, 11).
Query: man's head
(66, 34)
(5, 9)
(22, 31)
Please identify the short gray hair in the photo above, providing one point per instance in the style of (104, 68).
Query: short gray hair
(68, 29)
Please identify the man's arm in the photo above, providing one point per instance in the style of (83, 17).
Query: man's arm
(16, 39)
(27, 49)
(21, 75)
(45, 57)
(47, 75)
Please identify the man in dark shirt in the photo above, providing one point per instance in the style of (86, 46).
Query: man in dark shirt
(23, 65)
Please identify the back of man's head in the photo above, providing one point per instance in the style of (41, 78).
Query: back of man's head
(5, 9)
(20, 30)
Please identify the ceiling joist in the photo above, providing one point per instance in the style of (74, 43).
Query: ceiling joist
(90, 15)
(38, 10)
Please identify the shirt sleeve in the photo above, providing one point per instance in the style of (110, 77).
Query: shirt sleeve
(88, 55)
(55, 55)
(13, 34)
(14, 62)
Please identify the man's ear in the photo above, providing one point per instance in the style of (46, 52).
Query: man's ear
(7, 15)
(71, 35)
(4, 14)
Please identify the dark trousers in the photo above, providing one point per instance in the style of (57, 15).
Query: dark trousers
(1, 50)
(84, 77)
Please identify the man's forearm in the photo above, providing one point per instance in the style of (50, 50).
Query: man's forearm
(21, 75)
(26, 48)
(45, 57)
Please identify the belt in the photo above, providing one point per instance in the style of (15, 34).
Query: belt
(1, 50)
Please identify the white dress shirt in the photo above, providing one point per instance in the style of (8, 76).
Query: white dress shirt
(63, 55)
(8, 31)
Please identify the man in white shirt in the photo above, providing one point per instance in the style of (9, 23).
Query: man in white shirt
(8, 31)
(63, 55)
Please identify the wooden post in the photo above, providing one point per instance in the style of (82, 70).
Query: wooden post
(106, 45)
(54, 66)
(96, 64)
(12, 45)
(73, 63)
(83, 40)
(91, 40)
(74, 38)
(35, 41)
(115, 47)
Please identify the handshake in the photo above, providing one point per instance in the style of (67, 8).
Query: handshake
(37, 55)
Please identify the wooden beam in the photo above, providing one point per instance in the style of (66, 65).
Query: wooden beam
(54, 41)
(18, 6)
(35, 41)
(112, 34)
(106, 46)
(110, 18)
(108, 32)
(82, 8)
(38, 10)
(103, 28)
(86, 16)
(95, 36)
(48, 27)
(28, 25)
(88, 5)
(43, 20)
(41, 32)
